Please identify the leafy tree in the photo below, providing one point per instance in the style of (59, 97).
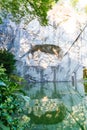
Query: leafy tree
(12, 110)
(8, 61)
(30, 8)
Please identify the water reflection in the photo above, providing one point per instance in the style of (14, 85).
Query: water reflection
(57, 106)
(64, 91)
(47, 111)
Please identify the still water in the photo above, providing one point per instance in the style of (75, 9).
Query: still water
(57, 106)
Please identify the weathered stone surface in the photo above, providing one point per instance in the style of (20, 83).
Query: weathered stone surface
(46, 66)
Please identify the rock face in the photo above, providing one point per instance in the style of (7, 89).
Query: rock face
(45, 66)
(41, 66)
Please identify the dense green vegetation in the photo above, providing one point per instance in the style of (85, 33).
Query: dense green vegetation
(26, 9)
(12, 111)
(8, 61)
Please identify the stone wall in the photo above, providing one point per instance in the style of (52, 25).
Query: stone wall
(19, 39)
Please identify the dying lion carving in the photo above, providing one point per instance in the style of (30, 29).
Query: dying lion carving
(46, 48)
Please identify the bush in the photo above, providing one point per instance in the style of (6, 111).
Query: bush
(8, 61)
(12, 110)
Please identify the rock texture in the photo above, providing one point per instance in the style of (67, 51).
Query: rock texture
(65, 30)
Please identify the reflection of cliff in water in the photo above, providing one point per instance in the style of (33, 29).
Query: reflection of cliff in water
(57, 106)
(64, 91)
(47, 111)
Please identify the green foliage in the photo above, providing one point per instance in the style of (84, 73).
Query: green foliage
(12, 111)
(85, 8)
(74, 2)
(0, 21)
(8, 61)
(85, 73)
(21, 8)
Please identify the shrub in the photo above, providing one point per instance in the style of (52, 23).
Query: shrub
(12, 110)
(8, 61)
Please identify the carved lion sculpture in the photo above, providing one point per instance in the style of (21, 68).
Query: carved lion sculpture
(46, 48)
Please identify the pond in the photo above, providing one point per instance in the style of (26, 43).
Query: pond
(57, 106)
